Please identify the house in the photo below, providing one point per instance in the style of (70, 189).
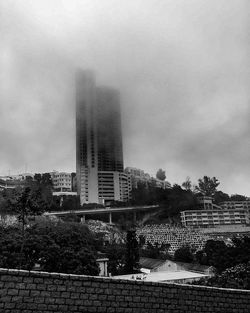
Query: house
(167, 271)
(178, 277)
(157, 265)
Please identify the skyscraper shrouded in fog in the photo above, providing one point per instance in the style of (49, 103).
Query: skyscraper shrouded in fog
(99, 155)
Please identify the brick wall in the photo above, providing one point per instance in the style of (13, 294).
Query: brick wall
(27, 292)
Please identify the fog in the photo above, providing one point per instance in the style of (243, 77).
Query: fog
(182, 69)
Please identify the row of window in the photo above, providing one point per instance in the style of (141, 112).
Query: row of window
(215, 223)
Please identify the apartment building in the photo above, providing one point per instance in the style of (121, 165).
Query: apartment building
(139, 176)
(99, 152)
(62, 181)
(212, 218)
(211, 215)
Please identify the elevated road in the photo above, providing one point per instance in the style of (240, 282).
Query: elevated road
(108, 210)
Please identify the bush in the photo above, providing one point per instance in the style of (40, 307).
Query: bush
(237, 277)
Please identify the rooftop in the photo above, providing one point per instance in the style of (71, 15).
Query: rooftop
(164, 276)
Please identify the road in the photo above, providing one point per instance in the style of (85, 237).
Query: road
(102, 210)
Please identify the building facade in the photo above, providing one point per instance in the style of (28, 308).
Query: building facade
(61, 181)
(235, 204)
(138, 176)
(212, 218)
(205, 202)
(211, 215)
(99, 156)
(15, 181)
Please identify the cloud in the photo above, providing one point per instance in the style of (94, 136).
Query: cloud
(182, 68)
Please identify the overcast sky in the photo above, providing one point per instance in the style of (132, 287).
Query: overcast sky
(182, 68)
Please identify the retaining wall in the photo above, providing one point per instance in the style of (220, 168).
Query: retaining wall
(28, 292)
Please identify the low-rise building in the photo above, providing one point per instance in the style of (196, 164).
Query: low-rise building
(180, 277)
(205, 202)
(158, 265)
(17, 177)
(14, 181)
(215, 217)
(160, 183)
(61, 181)
(235, 204)
(139, 176)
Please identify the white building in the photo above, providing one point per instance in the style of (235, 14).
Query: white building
(160, 183)
(139, 176)
(17, 177)
(235, 204)
(113, 186)
(211, 218)
(158, 265)
(14, 181)
(211, 215)
(178, 277)
(62, 181)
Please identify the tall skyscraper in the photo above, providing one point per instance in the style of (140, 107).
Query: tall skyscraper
(109, 135)
(99, 155)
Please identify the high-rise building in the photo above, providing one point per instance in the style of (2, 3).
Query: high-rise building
(99, 155)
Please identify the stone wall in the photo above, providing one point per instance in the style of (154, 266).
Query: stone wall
(27, 292)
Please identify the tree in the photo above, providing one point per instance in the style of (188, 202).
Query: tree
(132, 253)
(10, 243)
(217, 254)
(156, 251)
(184, 254)
(38, 177)
(44, 183)
(237, 197)
(178, 200)
(64, 259)
(207, 186)
(161, 174)
(44, 179)
(116, 253)
(70, 203)
(187, 184)
(26, 203)
(57, 247)
(220, 196)
(67, 248)
(237, 277)
(171, 200)
(5, 195)
(70, 249)
(240, 250)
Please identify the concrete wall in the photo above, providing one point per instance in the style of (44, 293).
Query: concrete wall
(27, 292)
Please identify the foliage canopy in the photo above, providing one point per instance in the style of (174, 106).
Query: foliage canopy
(207, 186)
(160, 174)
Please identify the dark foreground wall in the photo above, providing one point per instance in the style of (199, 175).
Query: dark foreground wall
(26, 292)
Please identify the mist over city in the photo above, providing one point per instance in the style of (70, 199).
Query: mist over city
(124, 156)
(181, 68)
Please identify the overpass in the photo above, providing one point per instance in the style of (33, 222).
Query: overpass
(106, 210)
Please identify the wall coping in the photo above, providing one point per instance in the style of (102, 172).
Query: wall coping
(17, 272)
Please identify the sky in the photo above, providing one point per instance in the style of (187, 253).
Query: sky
(181, 66)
